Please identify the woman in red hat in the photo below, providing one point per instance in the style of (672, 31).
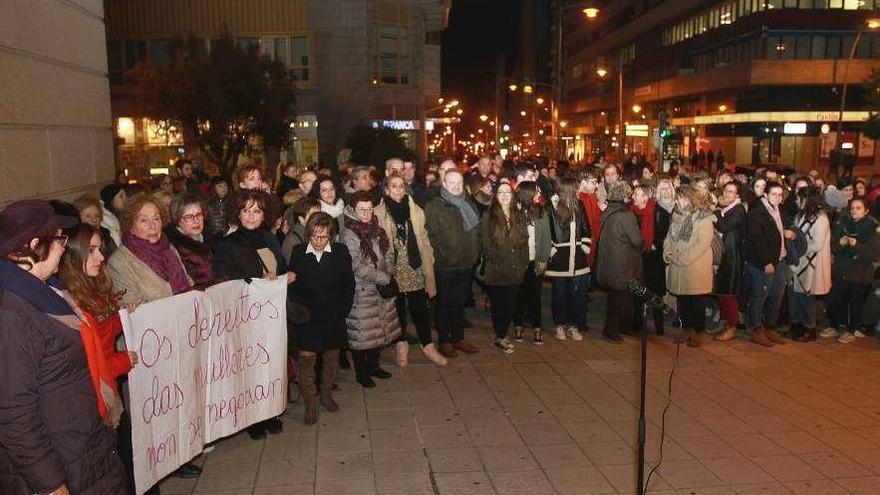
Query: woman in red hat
(53, 440)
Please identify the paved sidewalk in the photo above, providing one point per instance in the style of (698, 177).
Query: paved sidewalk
(562, 419)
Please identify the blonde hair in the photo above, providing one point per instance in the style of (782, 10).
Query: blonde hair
(134, 206)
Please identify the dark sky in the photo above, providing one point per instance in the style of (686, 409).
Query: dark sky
(479, 32)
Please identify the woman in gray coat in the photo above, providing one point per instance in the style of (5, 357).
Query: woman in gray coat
(372, 322)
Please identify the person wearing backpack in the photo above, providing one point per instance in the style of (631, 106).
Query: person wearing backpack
(811, 274)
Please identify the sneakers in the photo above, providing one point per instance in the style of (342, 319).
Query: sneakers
(517, 334)
(539, 338)
(504, 345)
(829, 333)
(560, 333)
(859, 334)
(572, 333)
(434, 355)
(846, 338)
(401, 350)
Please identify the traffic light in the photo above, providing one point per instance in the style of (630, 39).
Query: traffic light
(663, 116)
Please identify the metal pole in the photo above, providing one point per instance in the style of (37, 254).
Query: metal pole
(621, 132)
(852, 54)
(640, 489)
(559, 75)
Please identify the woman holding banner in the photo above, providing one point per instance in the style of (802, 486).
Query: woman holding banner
(325, 285)
(52, 440)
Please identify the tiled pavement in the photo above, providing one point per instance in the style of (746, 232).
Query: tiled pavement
(561, 419)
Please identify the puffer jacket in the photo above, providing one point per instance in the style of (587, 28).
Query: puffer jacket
(373, 320)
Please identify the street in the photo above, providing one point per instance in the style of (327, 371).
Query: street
(562, 419)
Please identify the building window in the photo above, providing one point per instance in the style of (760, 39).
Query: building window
(817, 50)
(392, 63)
(115, 65)
(803, 48)
(248, 44)
(161, 51)
(299, 57)
(276, 49)
(135, 52)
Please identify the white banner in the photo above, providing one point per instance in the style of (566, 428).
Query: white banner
(211, 364)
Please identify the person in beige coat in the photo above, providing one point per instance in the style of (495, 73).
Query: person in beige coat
(688, 251)
(404, 222)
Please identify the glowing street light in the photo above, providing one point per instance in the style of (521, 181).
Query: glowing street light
(484, 118)
(601, 72)
(459, 111)
(539, 101)
(637, 108)
(512, 87)
(505, 128)
(528, 89)
(722, 107)
(523, 113)
(563, 124)
(590, 12)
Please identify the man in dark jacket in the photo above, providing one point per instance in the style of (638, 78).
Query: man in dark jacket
(765, 266)
(619, 260)
(452, 225)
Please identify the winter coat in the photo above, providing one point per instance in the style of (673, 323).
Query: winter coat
(196, 256)
(690, 262)
(732, 227)
(504, 263)
(812, 274)
(235, 257)
(140, 283)
(619, 259)
(654, 267)
(571, 244)
(763, 243)
(855, 263)
(454, 248)
(326, 288)
(295, 236)
(215, 217)
(373, 320)
(50, 430)
(423, 243)
(110, 222)
(543, 239)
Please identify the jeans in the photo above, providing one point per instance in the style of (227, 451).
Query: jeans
(417, 302)
(502, 299)
(765, 294)
(845, 304)
(619, 313)
(452, 294)
(802, 309)
(692, 310)
(528, 299)
(569, 301)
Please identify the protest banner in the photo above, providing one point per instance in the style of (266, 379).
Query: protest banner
(211, 364)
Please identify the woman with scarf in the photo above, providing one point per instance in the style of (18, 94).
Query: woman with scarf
(653, 223)
(373, 322)
(113, 199)
(504, 239)
(480, 189)
(856, 246)
(730, 223)
(811, 276)
(567, 268)
(186, 232)
(528, 298)
(688, 251)
(251, 251)
(326, 190)
(404, 223)
(52, 440)
(587, 188)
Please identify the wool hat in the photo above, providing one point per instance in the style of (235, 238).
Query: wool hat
(619, 191)
(28, 219)
(108, 193)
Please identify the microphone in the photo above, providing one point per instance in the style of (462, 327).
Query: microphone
(639, 291)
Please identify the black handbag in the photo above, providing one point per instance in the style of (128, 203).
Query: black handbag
(389, 290)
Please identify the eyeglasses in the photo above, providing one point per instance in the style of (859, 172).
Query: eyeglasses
(60, 239)
(192, 217)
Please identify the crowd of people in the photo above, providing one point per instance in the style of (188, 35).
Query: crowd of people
(368, 250)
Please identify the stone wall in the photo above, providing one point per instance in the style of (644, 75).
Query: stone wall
(55, 126)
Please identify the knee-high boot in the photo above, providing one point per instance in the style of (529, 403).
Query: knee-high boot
(362, 369)
(328, 378)
(309, 387)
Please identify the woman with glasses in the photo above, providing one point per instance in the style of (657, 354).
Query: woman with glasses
(187, 233)
(325, 285)
(372, 322)
(52, 440)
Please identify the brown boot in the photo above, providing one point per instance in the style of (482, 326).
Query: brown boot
(684, 336)
(774, 337)
(328, 378)
(727, 334)
(447, 350)
(309, 388)
(759, 337)
(696, 339)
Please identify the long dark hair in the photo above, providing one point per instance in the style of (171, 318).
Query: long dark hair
(525, 196)
(504, 229)
(813, 200)
(568, 204)
(92, 294)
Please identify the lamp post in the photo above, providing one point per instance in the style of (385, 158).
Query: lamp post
(602, 72)
(872, 23)
(590, 12)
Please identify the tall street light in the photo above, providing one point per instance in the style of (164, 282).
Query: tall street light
(590, 12)
(872, 23)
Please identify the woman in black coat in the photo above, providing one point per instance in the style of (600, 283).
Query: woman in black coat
(731, 224)
(325, 285)
(251, 251)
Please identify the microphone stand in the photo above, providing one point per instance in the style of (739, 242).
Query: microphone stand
(642, 402)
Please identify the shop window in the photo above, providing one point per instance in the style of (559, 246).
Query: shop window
(299, 57)
(852, 4)
(803, 48)
(161, 51)
(789, 4)
(835, 4)
(774, 4)
(805, 4)
(817, 48)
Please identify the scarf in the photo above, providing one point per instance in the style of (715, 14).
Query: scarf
(667, 205)
(41, 295)
(161, 259)
(645, 216)
(468, 215)
(729, 207)
(404, 231)
(686, 221)
(594, 218)
(105, 363)
(862, 230)
(777, 218)
(333, 210)
(366, 232)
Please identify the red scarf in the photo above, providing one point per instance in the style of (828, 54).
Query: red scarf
(366, 232)
(645, 216)
(594, 218)
(105, 363)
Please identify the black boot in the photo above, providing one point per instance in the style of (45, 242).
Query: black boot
(373, 364)
(361, 370)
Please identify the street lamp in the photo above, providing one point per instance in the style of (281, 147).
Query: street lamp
(591, 12)
(539, 101)
(871, 23)
(512, 87)
(484, 117)
(636, 108)
(601, 72)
